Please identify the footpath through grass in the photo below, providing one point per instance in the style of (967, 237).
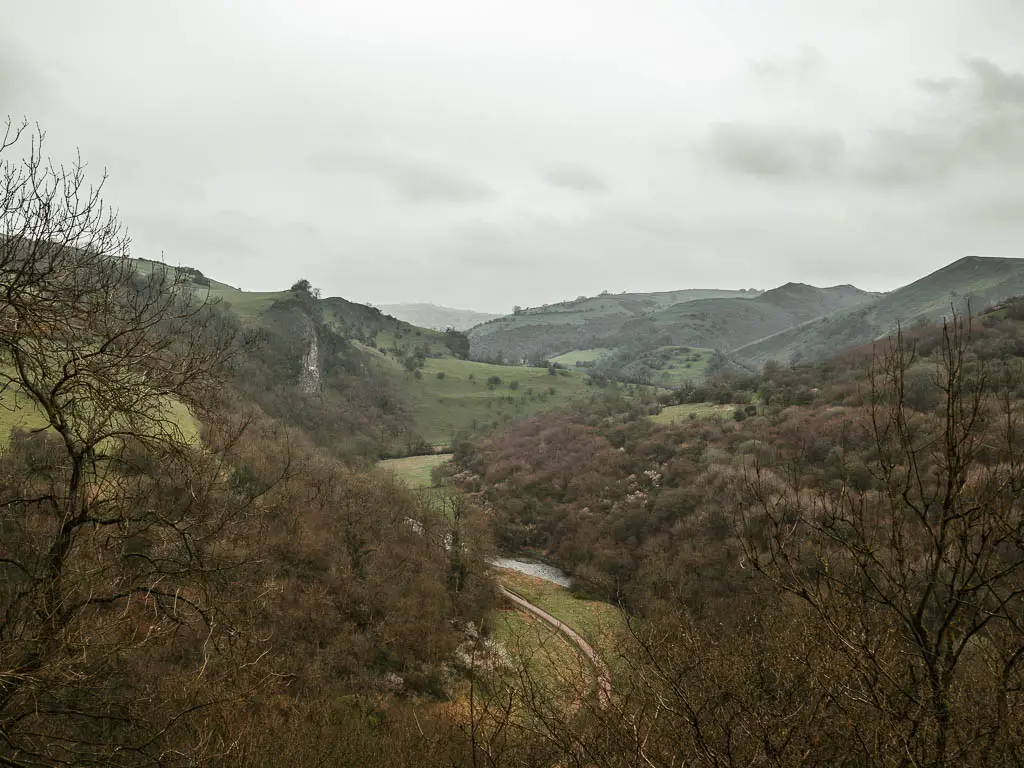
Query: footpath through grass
(600, 624)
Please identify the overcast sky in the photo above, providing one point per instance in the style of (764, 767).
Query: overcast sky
(480, 154)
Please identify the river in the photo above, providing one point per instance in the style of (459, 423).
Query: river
(533, 568)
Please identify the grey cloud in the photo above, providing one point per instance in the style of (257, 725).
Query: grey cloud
(896, 157)
(1002, 209)
(17, 81)
(445, 131)
(996, 86)
(413, 180)
(938, 86)
(775, 151)
(973, 122)
(576, 178)
(228, 236)
(808, 64)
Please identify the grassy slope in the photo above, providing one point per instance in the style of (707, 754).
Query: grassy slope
(462, 399)
(246, 304)
(984, 280)
(18, 412)
(581, 356)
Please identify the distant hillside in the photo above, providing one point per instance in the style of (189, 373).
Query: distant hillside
(364, 384)
(435, 317)
(725, 324)
(976, 280)
(586, 322)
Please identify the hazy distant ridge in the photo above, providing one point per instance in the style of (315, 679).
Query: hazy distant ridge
(974, 280)
(436, 317)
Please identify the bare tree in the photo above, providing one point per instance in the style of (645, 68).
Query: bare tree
(915, 588)
(117, 526)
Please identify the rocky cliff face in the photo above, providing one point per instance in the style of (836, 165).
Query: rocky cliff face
(309, 376)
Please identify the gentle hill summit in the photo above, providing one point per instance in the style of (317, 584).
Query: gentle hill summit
(974, 280)
(723, 324)
(437, 318)
(806, 302)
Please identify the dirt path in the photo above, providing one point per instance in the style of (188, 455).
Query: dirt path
(604, 678)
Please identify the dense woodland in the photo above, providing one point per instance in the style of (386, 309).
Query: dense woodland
(833, 575)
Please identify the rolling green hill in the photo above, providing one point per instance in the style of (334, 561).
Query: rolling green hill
(974, 280)
(552, 330)
(648, 337)
(667, 345)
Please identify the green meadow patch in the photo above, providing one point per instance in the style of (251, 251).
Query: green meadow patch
(570, 359)
(451, 396)
(19, 412)
(674, 414)
(248, 304)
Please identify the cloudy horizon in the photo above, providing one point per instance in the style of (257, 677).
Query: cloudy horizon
(480, 154)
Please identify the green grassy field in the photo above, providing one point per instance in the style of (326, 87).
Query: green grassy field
(453, 396)
(676, 413)
(247, 304)
(561, 673)
(415, 471)
(581, 356)
(19, 412)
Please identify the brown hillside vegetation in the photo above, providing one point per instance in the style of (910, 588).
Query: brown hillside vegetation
(241, 600)
(838, 582)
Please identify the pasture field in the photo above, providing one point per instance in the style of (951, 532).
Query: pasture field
(677, 413)
(18, 412)
(247, 304)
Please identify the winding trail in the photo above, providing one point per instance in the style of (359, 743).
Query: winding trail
(604, 677)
